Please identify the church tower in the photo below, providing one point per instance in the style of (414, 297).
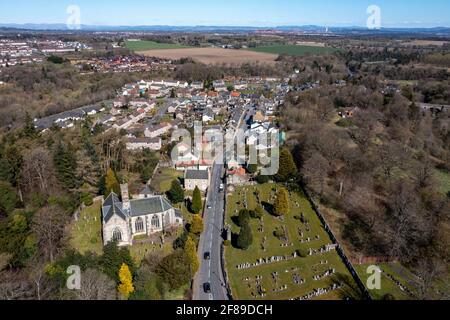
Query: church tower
(125, 197)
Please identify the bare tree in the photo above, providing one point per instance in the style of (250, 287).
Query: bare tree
(48, 226)
(315, 170)
(38, 172)
(95, 286)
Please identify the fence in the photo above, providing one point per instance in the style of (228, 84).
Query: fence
(339, 249)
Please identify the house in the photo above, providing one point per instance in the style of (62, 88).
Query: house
(197, 85)
(208, 115)
(237, 177)
(153, 131)
(196, 178)
(126, 219)
(144, 143)
(142, 103)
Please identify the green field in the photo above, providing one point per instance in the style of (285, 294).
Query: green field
(306, 268)
(151, 45)
(294, 50)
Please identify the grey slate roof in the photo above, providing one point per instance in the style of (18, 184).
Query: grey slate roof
(197, 174)
(112, 206)
(149, 206)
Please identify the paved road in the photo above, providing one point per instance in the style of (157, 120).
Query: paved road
(211, 240)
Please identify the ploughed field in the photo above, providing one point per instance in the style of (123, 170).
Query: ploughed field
(212, 55)
(292, 277)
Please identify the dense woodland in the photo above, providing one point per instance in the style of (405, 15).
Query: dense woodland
(376, 170)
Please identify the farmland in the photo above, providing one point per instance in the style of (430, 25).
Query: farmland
(213, 55)
(306, 235)
(142, 45)
(294, 50)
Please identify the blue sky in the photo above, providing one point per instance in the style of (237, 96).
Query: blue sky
(395, 13)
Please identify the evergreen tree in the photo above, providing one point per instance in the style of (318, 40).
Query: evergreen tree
(243, 218)
(8, 199)
(281, 205)
(125, 287)
(29, 129)
(196, 206)
(111, 183)
(288, 168)
(66, 165)
(245, 237)
(190, 249)
(176, 192)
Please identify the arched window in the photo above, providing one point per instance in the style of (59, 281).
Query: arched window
(139, 225)
(117, 235)
(155, 222)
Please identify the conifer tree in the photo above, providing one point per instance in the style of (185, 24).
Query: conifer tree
(190, 250)
(196, 201)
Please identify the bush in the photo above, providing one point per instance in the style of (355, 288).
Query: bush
(245, 237)
(262, 179)
(303, 253)
(243, 218)
(88, 200)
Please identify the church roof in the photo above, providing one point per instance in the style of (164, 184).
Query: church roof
(112, 206)
(146, 206)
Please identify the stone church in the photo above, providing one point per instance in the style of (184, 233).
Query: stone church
(146, 215)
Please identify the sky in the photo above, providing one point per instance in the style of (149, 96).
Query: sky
(394, 13)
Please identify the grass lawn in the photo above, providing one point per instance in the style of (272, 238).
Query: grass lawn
(140, 251)
(85, 234)
(294, 50)
(306, 268)
(151, 45)
(163, 178)
(443, 180)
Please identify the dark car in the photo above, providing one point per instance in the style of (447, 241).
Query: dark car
(207, 287)
(207, 256)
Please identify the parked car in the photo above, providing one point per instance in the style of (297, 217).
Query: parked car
(207, 256)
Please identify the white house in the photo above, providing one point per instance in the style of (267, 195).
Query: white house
(196, 178)
(157, 130)
(144, 143)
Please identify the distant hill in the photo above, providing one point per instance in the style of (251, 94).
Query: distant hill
(442, 31)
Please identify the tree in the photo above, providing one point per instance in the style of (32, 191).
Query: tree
(111, 183)
(29, 129)
(190, 249)
(287, 169)
(196, 225)
(66, 165)
(196, 206)
(95, 285)
(125, 287)
(48, 227)
(8, 199)
(38, 172)
(112, 259)
(174, 270)
(245, 237)
(243, 217)
(176, 192)
(252, 168)
(281, 205)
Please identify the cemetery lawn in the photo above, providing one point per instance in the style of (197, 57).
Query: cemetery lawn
(86, 233)
(162, 180)
(307, 267)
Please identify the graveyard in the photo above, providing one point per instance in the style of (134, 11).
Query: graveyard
(291, 257)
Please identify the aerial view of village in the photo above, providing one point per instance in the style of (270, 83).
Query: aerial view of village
(214, 161)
